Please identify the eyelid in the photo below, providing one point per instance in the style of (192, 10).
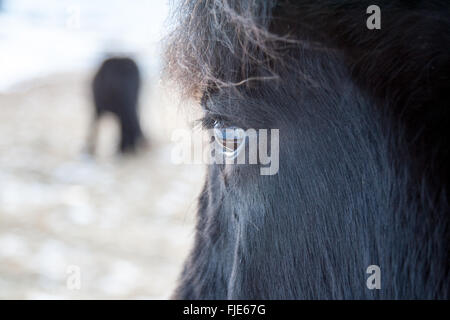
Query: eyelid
(210, 119)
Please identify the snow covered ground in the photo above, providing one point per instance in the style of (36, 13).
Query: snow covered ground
(124, 224)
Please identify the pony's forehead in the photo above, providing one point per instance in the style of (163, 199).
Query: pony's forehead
(220, 43)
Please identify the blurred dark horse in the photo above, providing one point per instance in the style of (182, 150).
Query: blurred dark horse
(364, 120)
(116, 90)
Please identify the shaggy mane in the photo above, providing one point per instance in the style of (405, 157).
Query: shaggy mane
(222, 43)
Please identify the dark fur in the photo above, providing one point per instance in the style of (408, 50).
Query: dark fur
(116, 90)
(364, 150)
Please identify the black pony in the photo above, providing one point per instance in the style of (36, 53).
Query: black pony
(116, 90)
(364, 123)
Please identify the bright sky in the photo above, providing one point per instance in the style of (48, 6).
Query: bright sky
(41, 37)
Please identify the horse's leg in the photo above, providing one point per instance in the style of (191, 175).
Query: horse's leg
(91, 141)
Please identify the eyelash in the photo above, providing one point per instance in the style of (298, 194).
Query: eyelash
(210, 120)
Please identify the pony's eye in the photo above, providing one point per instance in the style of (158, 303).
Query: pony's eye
(229, 140)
